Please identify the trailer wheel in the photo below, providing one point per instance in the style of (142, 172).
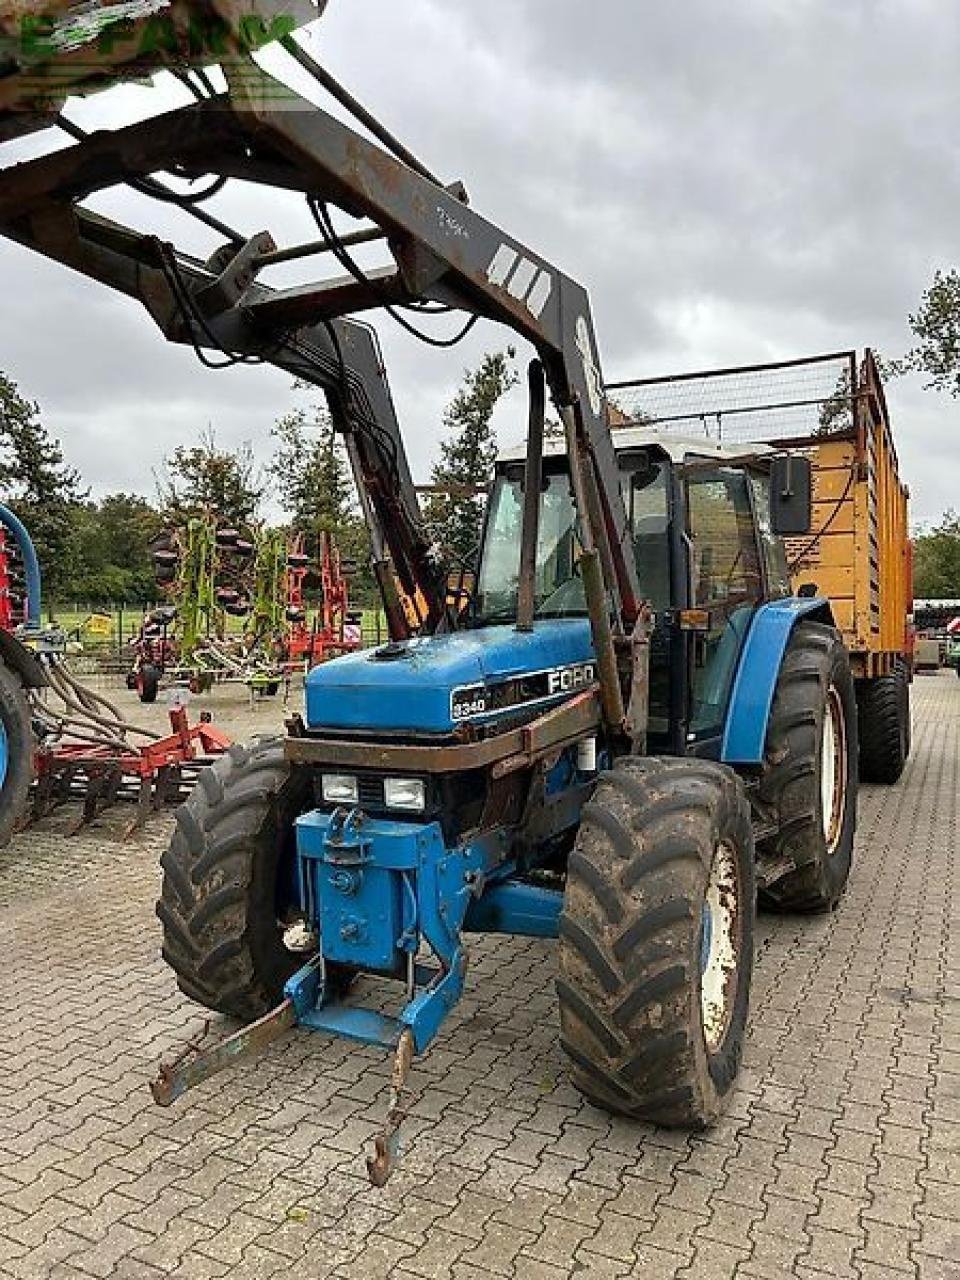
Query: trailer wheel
(809, 784)
(225, 873)
(17, 745)
(656, 941)
(884, 711)
(148, 683)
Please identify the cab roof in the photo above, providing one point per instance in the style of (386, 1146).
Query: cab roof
(676, 447)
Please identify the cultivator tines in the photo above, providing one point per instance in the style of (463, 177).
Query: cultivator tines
(88, 752)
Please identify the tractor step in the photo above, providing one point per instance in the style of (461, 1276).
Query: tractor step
(350, 1022)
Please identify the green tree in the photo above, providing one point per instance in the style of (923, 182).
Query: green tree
(936, 326)
(113, 546)
(38, 485)
(936, 564)
(205, 478)
(467, 455)
(311, 474)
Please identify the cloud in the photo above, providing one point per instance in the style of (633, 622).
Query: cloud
(732, 183)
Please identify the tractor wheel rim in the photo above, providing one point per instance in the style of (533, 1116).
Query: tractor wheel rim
(4, 753)
(833, 769)
(718, 946)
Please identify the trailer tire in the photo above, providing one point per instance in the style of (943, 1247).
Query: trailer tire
(148, 683)
(884, 713)
(17, 745)
(222, 872)
(656, 941)
(811, 749)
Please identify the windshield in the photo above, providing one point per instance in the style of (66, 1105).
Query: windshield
(558, 589)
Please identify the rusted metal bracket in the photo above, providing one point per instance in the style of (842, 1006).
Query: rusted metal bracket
(506, 752)
(195, 1065)
(638, 708)
(387, 1143)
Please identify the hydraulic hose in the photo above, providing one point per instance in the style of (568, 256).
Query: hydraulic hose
(31, 564)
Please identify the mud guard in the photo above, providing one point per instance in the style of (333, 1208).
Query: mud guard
(755, 682)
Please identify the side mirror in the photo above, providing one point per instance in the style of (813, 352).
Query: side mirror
(791, 495)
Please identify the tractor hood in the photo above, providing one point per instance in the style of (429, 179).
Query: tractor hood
(435, 684)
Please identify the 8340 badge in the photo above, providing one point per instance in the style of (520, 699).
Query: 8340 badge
(465, 703)
(517, 692)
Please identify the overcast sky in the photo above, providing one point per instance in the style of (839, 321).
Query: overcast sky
(734, 182)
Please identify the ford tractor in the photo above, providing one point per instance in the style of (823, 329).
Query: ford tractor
(627, 729)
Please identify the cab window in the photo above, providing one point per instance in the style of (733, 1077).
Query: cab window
(774, 552)
(727, 583)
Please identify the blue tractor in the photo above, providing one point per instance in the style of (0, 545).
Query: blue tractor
(466, 781)
(613, 734)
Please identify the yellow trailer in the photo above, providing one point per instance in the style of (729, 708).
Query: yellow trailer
(858, 552)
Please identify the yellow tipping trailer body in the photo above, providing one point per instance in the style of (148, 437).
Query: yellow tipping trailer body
(858, 552)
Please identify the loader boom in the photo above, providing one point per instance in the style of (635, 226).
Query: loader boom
(444, 253)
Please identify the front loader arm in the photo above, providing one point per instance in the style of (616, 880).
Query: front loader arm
(263, 132)
(342, 358)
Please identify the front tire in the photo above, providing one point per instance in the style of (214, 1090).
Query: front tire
(656, 941)
(219, 905)
(808, 790)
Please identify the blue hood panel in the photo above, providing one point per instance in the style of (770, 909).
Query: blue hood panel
(414, 693)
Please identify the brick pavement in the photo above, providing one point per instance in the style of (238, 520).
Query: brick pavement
(839, 1154)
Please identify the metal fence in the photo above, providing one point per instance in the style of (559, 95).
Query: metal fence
(790, 399)
(107, 632)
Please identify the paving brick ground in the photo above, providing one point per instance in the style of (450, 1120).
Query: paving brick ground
(839, 1155)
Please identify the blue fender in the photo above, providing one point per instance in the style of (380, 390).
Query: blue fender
(755, 682)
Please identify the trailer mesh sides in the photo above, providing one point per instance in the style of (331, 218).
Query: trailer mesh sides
(789, 400)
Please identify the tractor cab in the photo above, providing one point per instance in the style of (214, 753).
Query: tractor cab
(701, 525)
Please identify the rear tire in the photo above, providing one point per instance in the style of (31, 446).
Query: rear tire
(222, 934)
(808, 790)
(656, 941)
(17, 746)
(884, 726)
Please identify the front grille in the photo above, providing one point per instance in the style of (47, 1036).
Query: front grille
(370, 792)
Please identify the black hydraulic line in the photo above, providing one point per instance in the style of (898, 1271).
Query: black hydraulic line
(157, 191)
(324, 221)
(529, 537)
(356, 108)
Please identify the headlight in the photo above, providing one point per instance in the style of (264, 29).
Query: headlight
(405, 793)
(340, 788)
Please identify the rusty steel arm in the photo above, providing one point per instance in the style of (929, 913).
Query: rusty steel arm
(444, 252)
(341, 357)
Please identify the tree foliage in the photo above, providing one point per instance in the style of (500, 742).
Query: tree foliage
(936, 571)
(467, 455)
(203, 478)
(936, 326)
(38, 484)
(311, 474)
(112, 539)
